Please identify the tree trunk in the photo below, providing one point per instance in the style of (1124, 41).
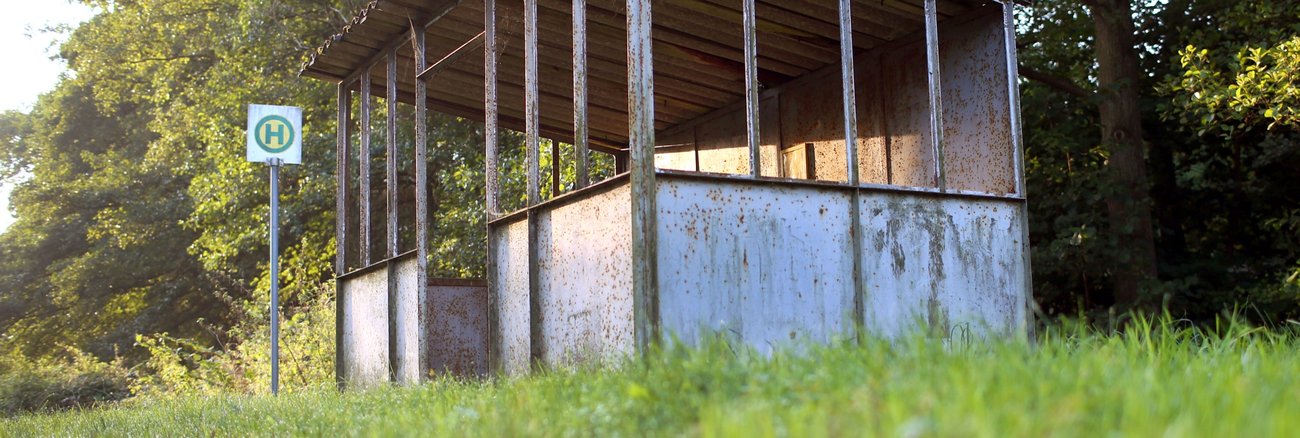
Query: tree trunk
(1128, 205)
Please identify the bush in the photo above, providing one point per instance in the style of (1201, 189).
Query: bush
(242, 363)
(75, 380)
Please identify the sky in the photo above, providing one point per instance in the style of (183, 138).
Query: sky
(27, 49)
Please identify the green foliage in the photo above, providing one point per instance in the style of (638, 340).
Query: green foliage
(73, 379)
(241, 360)
(1157, 378)
(1220, 161)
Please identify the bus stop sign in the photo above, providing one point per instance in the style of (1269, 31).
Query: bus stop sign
(275, 132)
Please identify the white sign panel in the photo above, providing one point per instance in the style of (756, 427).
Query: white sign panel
(275, 132)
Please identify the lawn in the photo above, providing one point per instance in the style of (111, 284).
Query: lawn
(1154, 379)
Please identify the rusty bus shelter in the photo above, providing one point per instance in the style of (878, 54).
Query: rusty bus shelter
(738, 209)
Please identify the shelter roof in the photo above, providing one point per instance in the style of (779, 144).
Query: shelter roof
(698, 53)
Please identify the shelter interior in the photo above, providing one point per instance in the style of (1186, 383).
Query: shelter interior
(723, 93)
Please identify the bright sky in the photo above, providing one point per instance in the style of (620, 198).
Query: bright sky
(26, 49)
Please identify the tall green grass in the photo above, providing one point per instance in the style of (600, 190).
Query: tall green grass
(1153, 379)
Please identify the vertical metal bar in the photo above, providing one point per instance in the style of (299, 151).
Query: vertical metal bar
(641, 145)
(531, 139)
(1018, 148)
(390, 230)
(751, 90)
(424, 315)
(341, 168)
(490, 125)
(555, 168)
(580, 93)
(1013, 94)
(363, 176)
(531, 112)
(936, 90)
(850, 103)
(342, 163)
(274, 164)
(536, 340)
(849, 95)
(490, 190)
(390, 154)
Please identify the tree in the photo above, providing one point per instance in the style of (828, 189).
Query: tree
(1119, 79)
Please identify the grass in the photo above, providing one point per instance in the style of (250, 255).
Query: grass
(1155, 379)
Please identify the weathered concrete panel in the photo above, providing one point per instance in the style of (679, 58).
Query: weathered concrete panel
(365, 328)
(676, 151)
(723, 147)
(406, 319)
(510, 285)
(766, 264)
(955, 263)
(585, 285)
(458, 327)
(978, 155)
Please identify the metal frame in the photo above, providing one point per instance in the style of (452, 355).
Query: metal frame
(1018, 155)
(752, 121)
(849, 96)
(936, 90)
(638, 161)
(641, 145)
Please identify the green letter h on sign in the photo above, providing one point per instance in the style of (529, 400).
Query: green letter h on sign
(276, 132)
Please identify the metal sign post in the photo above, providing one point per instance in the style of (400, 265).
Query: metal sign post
(275, 137)
(274, 163)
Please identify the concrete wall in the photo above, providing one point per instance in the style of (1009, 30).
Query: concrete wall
(508, 282)
(766, 264)
(584, 281)
(457, 327)
(770, 264)
(956, 263)
(382, 324)
(364, 326)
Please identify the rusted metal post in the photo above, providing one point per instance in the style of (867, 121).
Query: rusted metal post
(751, 90)
(555, 168)
(849, 95)
(342, 166)
(580, 145)
(936, 90)
(850, 102)
(641, 146)
(1013, 94)
(532, 138)
(490, 127)
(363, 177)
(531, 112)
(1018, 151)
(390, 154)
(425, 318)
(342, 153)
(390, 187)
